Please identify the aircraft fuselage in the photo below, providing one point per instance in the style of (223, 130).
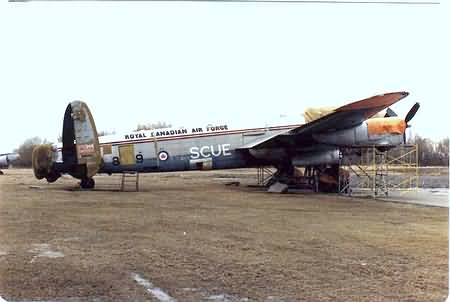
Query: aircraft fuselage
(316, 144)
(164, 150)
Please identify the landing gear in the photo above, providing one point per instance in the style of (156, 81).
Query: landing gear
(52, 176)
(87, 183)
(323, 178)
(282, 179)
(284, 174)
(328, 179)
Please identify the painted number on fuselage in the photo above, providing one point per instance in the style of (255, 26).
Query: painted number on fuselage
(210, 151)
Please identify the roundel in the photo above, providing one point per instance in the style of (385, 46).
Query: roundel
(163, 155)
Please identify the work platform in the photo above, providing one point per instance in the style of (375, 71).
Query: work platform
(365, 170)
(375, 172)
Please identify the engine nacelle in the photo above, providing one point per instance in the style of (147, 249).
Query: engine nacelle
(43, 157)
(377, 131)
(329, 157)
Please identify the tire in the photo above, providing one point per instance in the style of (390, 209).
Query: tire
(87, 183)
(52, 177)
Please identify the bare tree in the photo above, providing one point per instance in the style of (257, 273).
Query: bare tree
(99, 133)
(25, 151)
(152, 126)
(432, 153)
(442, 151)
(105, 133)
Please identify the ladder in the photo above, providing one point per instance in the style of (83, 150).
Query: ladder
(380, 185)
(130, 177)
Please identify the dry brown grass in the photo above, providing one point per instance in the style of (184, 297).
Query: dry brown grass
(192, 236)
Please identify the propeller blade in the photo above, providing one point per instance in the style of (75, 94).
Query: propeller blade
(412, 112)
(390, 113)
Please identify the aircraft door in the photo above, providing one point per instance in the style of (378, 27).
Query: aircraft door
(126, 154)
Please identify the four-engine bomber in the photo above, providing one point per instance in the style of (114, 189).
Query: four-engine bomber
(315, 145)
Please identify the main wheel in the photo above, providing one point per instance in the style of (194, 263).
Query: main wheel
(87, 183)
(52, 176)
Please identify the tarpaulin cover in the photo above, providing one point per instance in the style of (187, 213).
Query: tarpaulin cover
(313, 113)
(386, 126)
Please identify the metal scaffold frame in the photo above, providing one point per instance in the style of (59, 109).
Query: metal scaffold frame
(375, 172)
(263, 175)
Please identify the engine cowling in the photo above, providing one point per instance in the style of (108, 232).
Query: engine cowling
(42, 159)
(386, 132)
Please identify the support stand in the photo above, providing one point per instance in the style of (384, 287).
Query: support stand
(130, 177)
(375, 172)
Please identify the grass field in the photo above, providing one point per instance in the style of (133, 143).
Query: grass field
(198, 240)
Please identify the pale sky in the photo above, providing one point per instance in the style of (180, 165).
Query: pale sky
(199, 63)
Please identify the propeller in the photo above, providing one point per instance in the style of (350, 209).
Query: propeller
(409, 116)
(412, 112)
(390, 113)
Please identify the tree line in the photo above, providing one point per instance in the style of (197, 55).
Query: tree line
(431, 153)
(25, 150)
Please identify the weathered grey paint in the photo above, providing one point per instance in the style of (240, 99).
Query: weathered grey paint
(358, 136)
(319, 157)
(6, 159)
(219, 152)
(87, 146)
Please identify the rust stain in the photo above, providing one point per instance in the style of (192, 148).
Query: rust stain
(375, 104)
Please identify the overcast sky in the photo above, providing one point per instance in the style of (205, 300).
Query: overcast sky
(200, 63)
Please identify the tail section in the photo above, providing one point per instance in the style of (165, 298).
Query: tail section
(80, 147)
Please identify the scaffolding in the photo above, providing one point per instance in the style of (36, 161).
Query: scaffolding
(371, 171)
(263, 176)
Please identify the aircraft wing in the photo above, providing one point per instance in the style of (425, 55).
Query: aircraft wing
(344, 117)
(262, 140)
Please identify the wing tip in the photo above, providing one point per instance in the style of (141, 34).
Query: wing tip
(380, 101)
(403, 94)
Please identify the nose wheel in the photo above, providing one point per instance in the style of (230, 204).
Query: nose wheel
(87, 183)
